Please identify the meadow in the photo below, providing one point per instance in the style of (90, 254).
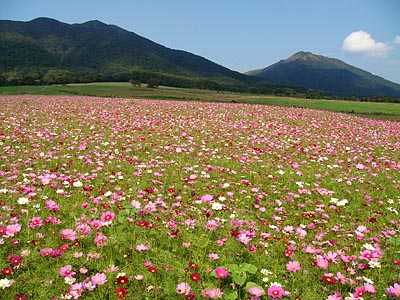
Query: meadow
(117, 198)
(380, 111)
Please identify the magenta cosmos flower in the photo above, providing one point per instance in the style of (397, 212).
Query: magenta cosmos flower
(67, 271)
(107, 216)
(35, 222)
(221, 272)
(275, 291)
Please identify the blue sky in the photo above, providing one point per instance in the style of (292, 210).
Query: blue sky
(244, 35)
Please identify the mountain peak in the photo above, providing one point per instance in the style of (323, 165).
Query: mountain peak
(310, 58)
(301, 56)
(93, 24)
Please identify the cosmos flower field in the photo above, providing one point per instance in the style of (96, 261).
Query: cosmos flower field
(144, 199)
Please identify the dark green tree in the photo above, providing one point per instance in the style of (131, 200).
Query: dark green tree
(153, 82)
(134, 82)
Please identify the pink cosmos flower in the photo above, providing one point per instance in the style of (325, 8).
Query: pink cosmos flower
(293, 266)
(369, 288)
(99, 279)
(221, 272)
(275, 291)
(77, 254)
(67, 271)
(96, 224)
(88, 285)
(322, 263)
(206, 198)
(335, 296)
(394, 290)
(212, 293)
(107, 216)
(213, 256)
(100, 239)
(359, 292)
(35, 222)
(183, 288)
(69, 234)
(12, 229)
(256, 291)
(76, 290)
(243, 238)
(83, 229)
(46, 252)
(142, 247)
(52, 206)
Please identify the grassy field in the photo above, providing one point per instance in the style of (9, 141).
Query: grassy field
(117, 199)
(384, 111)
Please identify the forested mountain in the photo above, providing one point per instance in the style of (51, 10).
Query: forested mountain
(330, 75)
(49, 51)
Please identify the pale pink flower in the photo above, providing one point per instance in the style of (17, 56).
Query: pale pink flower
(84, 229)
(212, 293)
(138, 277)
(394, 290)
(99, 279)
(69, 234)
(142, 247)
(293, 266)
(12, 229)
(322, 263)
(256, 291)
(183, 288)
(213, 256)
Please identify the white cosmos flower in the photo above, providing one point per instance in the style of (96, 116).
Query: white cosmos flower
(23, 200)
(5, 283)
(69, 280)
(342, 202)
(368, 247)
(374, 264)
(77, 184)
(216, 206)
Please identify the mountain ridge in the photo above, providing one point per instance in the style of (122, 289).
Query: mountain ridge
(330, 75)
(106, 49)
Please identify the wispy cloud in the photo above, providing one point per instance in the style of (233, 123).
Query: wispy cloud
(363, 43)
(397, 39)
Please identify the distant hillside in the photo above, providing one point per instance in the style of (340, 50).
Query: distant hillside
(48, 50)
(330, 75)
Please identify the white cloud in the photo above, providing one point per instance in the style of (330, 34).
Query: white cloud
(362, 42)
(397, 39)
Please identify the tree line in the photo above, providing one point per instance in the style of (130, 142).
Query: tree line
(42, 76)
